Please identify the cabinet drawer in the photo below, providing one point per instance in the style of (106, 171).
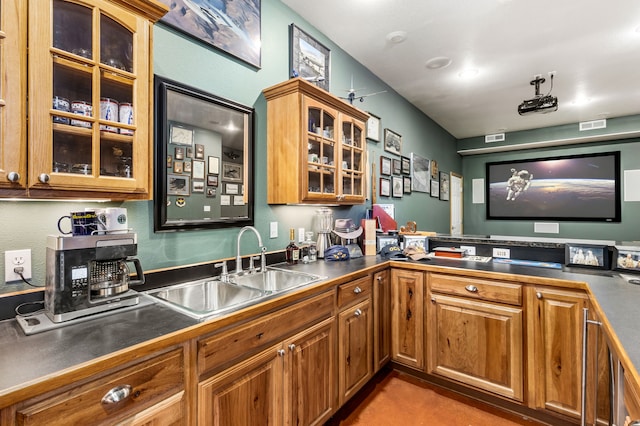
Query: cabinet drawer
(477, 288)
(353, 291)
(216, 350)
(149, 383)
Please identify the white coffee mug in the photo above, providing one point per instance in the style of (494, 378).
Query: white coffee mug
(113, 220)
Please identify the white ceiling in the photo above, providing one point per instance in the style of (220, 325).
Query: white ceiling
(592, 45)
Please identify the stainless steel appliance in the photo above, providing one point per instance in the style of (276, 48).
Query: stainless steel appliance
(90, 274)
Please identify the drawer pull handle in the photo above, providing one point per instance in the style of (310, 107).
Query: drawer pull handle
(357, 313)
(292, 347)
(538, 295)
(471, 288)
(13, 177)
(357, 290)
(117, 394)
(281, 352)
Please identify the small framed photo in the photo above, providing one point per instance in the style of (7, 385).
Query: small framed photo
(189, 153)
(178, 166)
(587, 255)
(392, 142)
(406, 182)
(212, 180)
(198, 169)
(397, 186)
(435, 188)
(198, 186)
(385, 165)
(434, 169)
(187, 166)
(309, 58)
(232, 189)
(627, 259)
(181, 135)
(373, 128)
(397, 166)
(214, 165)
(177, 185)
(232, 172)
(417, 241)
(179, 153)
(419, 173)
(405, 165)
(385, 187)
(444, 186)
(169, 161)
(211, 192)
(199, 152)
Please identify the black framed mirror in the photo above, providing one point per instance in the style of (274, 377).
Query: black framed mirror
(203, 159)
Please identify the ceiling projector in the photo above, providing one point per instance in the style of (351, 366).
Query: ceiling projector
(540, 104)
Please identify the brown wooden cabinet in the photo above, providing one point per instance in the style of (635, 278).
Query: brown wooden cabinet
(381, 319)
(355, 334)
(90, 100)
(13, 94)
(151, 391)
(471, 337)
(555, 349)
(407, 317)
(316, 146)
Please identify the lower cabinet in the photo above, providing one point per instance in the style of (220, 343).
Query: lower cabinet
(472, 339)
(555, 349)
(381, 319)
(407, 317)
(149, 392)
(355, 336)
(292, 382)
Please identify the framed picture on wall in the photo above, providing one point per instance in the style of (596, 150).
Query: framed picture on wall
(444, 186)
(198, 169)
(385, 165)
(181, 135)
(232, 172)
(419, 173)
(309, 58)
(373, 128)
(406, 165)
(178, 185)
(397, 166)
(198, 186)
(397, 186)
(385, 187)
(214, 165)
(435, 188)
(392, 142)
(406, 182)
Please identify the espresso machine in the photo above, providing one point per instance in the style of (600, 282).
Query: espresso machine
(90, 274)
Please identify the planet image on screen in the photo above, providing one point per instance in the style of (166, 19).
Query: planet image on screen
(553, 198)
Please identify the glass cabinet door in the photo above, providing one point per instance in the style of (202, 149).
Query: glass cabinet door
(352, 166)
(97, 83)
(321, 153)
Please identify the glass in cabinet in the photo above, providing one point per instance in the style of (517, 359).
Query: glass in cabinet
(90, 99)
(321, 152)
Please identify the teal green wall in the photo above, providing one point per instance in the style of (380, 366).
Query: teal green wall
(178, 57)
(475, 222)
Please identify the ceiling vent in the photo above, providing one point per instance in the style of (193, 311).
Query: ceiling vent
(498, 137)
(593, 125)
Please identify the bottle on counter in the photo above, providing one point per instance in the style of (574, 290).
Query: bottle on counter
(312, 250)
(292, 254)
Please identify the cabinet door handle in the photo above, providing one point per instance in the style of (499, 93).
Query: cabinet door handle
(471, 288)
(281, 352)
(13, 177)
(117, 394)
(379, 278)
(44, 178)
(358, 312)
(538, 295)
(357, 290)
(292, 347)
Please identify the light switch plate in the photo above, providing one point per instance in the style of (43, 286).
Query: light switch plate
(273, 230)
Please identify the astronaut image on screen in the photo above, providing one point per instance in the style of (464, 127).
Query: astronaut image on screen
(518, 183)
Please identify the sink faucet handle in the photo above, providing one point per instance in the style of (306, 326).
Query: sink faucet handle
(263, 259)
(252, 267)
(225, 272)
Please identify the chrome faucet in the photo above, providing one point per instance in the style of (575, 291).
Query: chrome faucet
(263, 249)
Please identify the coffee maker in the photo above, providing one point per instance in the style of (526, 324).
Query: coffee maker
(90, 274)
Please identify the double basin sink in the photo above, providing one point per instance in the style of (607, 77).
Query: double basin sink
(208, 297)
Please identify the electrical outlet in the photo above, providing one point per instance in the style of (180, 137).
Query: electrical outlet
(300, 235)
(273, 230)
(502, 252)
(14, 259)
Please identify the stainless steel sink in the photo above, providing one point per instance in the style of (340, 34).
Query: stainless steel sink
(206, 298)
(275, 280)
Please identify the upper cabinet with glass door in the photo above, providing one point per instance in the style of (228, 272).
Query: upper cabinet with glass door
(13, 95)
(90, 97)
(316, 146)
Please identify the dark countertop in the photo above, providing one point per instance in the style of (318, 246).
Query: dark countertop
(27, 359)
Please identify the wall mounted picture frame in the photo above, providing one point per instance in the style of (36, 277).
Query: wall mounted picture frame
(435, 188)
(308, 58)
(444, 186)
(187, 167)
(392, 142)
(406, 165)
(231, 172)
(199, 152)
(373, 128)
(180, 135)
(232, 188)
(587, 255)
(198, 186)
(179, 153)
(198, 169)
(434, 169)
(626, 259)
(236, 31)
(385, 187)
(169, 161)
(385, 165)
(178, 167)
(214, 165)
(420, 173)
(212, 180)
(397, 186)
(211, 192)
(178, 185)
(396, 167)
(406, 184)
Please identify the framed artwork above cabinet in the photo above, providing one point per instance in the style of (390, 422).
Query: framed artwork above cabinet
(192, 125)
